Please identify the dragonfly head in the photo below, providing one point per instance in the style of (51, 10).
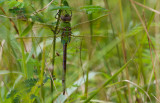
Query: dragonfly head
(66, 18)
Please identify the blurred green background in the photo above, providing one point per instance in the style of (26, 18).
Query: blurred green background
(113, 56)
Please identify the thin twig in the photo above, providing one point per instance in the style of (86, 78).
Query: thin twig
(7, 16)
(52, 80)
(13, 24)
(155, 97)
(50, 37)
(43, 8)
(153, 10)
(80, 56)
(90, 20)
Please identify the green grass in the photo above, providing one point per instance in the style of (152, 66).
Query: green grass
(113, 55)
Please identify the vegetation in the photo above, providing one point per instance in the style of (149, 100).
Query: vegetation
(89, 51)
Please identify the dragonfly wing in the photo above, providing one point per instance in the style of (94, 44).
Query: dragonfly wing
(66, 38)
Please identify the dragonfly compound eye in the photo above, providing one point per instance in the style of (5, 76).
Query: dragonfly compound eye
(66, 18)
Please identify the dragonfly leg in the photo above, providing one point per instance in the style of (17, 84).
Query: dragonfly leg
(62, 35)
(58, 31)
(71, 13)
(57, 15)
(66, 11)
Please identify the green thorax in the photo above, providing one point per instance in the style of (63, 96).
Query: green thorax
(65, 31)
(65, 24)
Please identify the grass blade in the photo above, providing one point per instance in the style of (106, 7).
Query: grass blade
(107, 82)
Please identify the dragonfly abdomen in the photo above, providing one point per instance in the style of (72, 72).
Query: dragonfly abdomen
(64, 67)
(65, 38)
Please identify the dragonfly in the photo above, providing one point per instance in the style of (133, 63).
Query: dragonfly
(65, 39)
(66, 34)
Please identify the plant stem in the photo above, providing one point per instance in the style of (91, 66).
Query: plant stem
(23, 49)
(110, 19)
(90, 49)
(124, 49)
(54, 45)
(115, 87)
(42, 69)
(149, 41)
(157, 37)
(90, 18)
(42, 3)
(23, 58)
